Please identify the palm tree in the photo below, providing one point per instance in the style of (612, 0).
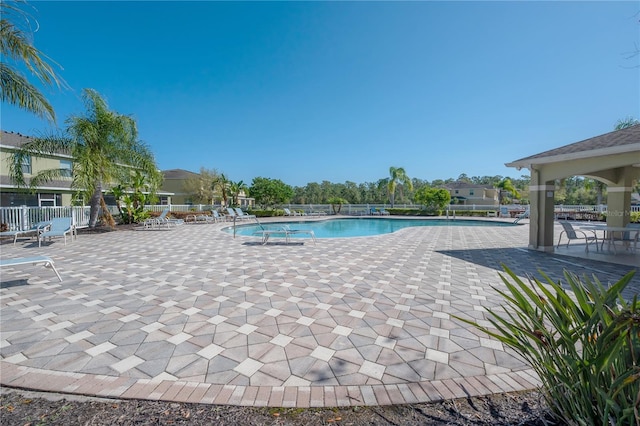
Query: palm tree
(222, 183)
(235, 188)
(397, 176)
(16, 46)
(104, 148)
(506, 186)
(626, 122)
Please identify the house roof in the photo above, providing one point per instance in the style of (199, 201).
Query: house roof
(466, 185)
(178, 174)
(13, 139)
(616, 142)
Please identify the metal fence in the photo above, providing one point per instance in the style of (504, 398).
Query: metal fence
(23, 217)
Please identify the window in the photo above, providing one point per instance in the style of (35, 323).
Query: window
(26, 165)
(49, 200)
(471, 192)
(65, 167)
(457, 192)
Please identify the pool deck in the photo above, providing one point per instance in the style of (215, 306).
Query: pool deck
(193, 315)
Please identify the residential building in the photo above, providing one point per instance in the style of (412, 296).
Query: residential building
(55, 193)
(471, 194)
(175, 181)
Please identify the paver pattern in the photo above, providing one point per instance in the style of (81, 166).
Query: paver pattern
(193, 314)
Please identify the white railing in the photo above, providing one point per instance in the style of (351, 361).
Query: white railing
(23, 217)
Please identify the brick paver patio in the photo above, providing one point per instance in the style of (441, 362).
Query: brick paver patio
(194, 315)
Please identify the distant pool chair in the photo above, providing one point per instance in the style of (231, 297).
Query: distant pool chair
(573, 234)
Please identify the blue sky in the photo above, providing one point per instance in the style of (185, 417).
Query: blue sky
(341, 91)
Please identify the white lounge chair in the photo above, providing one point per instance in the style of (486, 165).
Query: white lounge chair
(243, 215)
(35, 260)
(34, 231)
(285, 232)
(576, 234)
(238, 214)
(523, 215)
(60, 227)
(218, 217)
(162, 220)
(300, 231)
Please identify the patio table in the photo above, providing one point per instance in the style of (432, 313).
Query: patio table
(609, 234)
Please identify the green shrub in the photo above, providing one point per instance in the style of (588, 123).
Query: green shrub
(585, 348)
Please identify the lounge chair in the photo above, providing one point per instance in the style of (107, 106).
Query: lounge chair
(60, 227)
(243, 215)
(523, 215)
(156, 222)
(288, 212)
(576, 234)
(284, 231)
(34, 231)
(218, 217)
(300, 231)
(238, 214)
(504, 212)
(35, 260)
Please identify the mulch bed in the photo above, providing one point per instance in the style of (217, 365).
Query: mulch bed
(29, 409)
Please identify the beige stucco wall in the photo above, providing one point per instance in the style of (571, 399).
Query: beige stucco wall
(480, 196)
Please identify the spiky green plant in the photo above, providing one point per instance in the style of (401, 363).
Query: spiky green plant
(584, 344)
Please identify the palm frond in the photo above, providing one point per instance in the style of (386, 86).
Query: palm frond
(16, 90)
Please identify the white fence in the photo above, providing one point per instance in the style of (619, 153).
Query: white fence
(24, 217)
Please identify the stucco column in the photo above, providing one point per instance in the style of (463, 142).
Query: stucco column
(541, 194)
(619, 200)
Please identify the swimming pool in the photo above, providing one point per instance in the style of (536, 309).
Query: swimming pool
(357, 227)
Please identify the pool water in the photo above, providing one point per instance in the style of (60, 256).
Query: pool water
(358, 227)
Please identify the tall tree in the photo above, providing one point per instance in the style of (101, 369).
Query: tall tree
(270, 192)
(505, 186)
(235, 188)
(202, 187)
(105, 148)
(17, 51)
(397, 177)
(222, 184)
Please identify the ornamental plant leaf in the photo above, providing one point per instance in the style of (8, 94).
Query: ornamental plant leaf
(584, 344)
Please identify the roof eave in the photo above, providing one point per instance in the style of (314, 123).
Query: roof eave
(529, 161)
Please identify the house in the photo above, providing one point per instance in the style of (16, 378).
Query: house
(176, 182)
(472, 194)
(55, 193)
